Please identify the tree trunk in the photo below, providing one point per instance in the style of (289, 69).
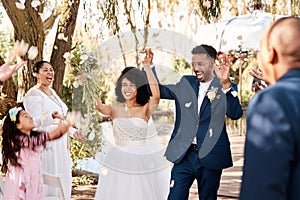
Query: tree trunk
(63, 42)
(28, 26)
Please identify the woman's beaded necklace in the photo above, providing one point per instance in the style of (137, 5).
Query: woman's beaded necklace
(54, 99)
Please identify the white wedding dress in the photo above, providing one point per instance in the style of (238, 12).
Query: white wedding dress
(134, 168)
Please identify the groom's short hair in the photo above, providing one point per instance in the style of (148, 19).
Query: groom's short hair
(206, 49)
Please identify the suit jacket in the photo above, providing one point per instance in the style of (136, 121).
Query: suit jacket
(272, 149)
(208, 126)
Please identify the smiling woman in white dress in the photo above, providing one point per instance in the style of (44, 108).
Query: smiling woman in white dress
(45, 106)
(133, 169)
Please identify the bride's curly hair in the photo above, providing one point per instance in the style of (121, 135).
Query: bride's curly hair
(11, 143)
(137, 77)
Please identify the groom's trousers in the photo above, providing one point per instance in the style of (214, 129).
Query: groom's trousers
(184, 173)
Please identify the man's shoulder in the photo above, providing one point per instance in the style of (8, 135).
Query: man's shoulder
(190, 78)
(33, 91)
(276, 94)
(282, 88)
(271, 93)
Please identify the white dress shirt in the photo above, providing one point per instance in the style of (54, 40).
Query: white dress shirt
(203, 87)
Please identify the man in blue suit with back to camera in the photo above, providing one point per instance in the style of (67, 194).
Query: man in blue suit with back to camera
(272, 149)
(199, 146)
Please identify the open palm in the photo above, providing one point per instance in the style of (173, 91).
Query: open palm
(6, 70)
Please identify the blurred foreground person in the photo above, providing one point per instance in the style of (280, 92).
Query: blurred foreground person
(272, 151)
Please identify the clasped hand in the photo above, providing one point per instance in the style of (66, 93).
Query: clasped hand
(78, 135)
(258, 81)
(148, 59)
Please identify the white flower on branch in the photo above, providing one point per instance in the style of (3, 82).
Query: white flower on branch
(66, 55)
(83, 58)
(61, 36)
(79, 80)
(35, 4)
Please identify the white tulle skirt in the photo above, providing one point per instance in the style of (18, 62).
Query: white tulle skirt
(135, 172)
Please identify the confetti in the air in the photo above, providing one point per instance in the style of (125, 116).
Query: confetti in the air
(20, 6)
(32, 52)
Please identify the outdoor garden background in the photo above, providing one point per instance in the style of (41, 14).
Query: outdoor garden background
(89, 42)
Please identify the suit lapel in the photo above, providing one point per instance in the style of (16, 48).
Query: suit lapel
(196, 87)
(196, 90)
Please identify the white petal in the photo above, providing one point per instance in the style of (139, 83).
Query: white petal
(210, 132)
(75, 84)
(20, 6)
(23, 48)
(60, 36)
(188, 104)
(91, 136)
(32, 52)
(84, 57)
(35, 3)
(66, 55)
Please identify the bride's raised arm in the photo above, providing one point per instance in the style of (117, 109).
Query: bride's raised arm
(104, 109)
(154, 100)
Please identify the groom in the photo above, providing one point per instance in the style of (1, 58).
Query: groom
(199, 146)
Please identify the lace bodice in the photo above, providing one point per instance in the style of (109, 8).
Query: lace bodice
(130, 131)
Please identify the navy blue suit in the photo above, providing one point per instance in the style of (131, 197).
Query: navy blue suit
(272, 149)
(213, 147)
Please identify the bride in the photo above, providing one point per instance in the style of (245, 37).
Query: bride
(134, 168)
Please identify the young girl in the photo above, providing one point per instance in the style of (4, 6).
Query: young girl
(20, 151)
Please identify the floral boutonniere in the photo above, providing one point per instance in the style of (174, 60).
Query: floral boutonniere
(212, 93)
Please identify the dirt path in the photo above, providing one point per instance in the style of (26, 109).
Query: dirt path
(87, 191)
